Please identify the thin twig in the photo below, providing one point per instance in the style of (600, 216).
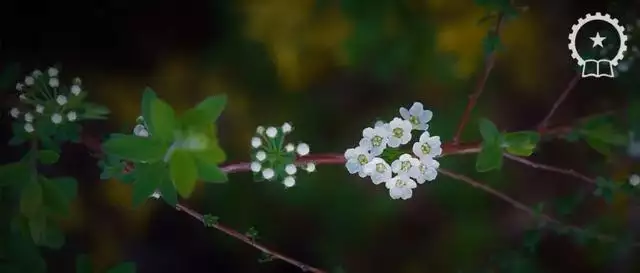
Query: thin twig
(482, 81)
(545, 167)
(250, 241)
(572, 84)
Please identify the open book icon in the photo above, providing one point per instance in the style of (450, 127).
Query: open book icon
(597, 68)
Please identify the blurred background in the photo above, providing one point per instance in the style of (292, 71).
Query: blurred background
(331, 68)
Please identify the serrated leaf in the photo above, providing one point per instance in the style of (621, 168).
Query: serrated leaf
(521, 143)
(134, 148)
(31, 198)
(210, 172)
(213, 106)
(148, 178)
(489, 158)
(127, 267)
(48, 157)
(488, 130)
(168, 192)
(83, 264)
(164, 119)
(183, 172)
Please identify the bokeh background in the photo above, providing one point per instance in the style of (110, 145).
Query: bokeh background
(331, 68)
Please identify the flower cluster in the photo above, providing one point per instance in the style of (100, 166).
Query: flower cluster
(380, 142)
(42, 97)
(275, 160)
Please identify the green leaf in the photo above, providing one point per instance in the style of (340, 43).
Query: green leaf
(489, 158)
(209, 171)
(602, 129)
(532, 239)
(491, 42)
(521, 143)
(148, 178)
(94, 111)
(58, 194)
(212, 155)
(68, 186)
(184, 172)
(605, 189)
(489, 131)
(213, 106)
(599, 146)
(83, 264)
(48, 157)
(31, 198)
(52, 237)
(12, 173)
(127, 267)
(168, 192)
(148, 96)
(164, 119)
(134, 148)
(37, 225)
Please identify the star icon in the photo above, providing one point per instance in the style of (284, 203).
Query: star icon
(597, 40)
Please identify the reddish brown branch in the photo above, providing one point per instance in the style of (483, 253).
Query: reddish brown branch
(482, 81)
(250, 241)
(572, 84)
(545, 167)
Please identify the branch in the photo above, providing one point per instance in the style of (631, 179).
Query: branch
(572, 84)
(250, 241)
(482, 81)
(540, 166)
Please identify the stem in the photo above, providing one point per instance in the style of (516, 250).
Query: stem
(534, 165)
(572, 84)
(482, 81)
(250, 241)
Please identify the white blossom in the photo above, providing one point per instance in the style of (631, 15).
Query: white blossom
(261, 155)
(272, 132)
(28, 117)
(356, 159)
(140, 130)
(634, 180)
(256, 142)
(406, 165)
(29, 81)
(19, 86)
(289, 148)
(28, 127)
(378, 169)
(77, 81)
(427, 146)
(40, 109)
(255, 166)
(401, 187)
(36, 73)
(22, 97)
(52, 71)
(72, 116)
(303, 149)
(75, 89)
(14, 112)
(61, 100)
(311, 167)
(400, 132)
(290, 169)
(260, 130)
(268, 173)
(417, 116)
(56, 118)
(375, 139)
(427, 170)
(289, 181)
(286, 128)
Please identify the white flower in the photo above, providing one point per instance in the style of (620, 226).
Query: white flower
(401, 186)
(427, 170)
(427, 146)
(72, 116)
(255, 166)
(28, 127)
(36, 73)
(634, 180)
(256, 142)
(39, 109)
(378, 169)
(290, 169)
(54, 82)
(77, 81)
(289, 147)
(417, 116)
(22, 97)
(260, 130)
(268, 173)
(311, 167)
(19, 86)
(140, 131)
(14, 112)
(357, 158)
(289, 181)
(406, 165)
(261, 155)
(272, 132)
(62, 100)
(302, 149)
(375, 139)
(286, 128)
(56, 118)
(156, 195)
(75, 89)
(400, 132)
(52, 71)
(29, 81)
(28, 117)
